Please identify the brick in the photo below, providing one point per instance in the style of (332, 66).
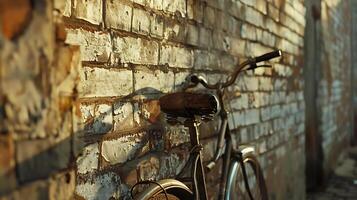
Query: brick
(175, 6)
(147, 81)
(157, 26)
(136, 50)
(149, 169)
(261, 6)
(237, 46)
(123, 116)
(192, 35)
(141, 21)
(173, 163)
(31, 154)
(106, 183)
(236, 9)
(249, 2)
(88, 161)
(221, 41)
(273, 12)
(94, 46)
(89, 10)
(124, 148)
(175, 136)
(150, 111)
(62, 185)
(254, 17)
(156, 4)
(195, 10)
(209, 16)
(98, 82)
(251, 116)
(175, 30)
(94, 119)
(176, 57)
(64, 7)
(118, 15)
(221, 21)
(205, 37)
(265, 84)
(7, 164)
(248, 32)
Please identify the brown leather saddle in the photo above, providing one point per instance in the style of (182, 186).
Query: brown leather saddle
(188, 105)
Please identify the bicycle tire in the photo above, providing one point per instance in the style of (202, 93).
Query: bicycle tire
(175, 190)
(236, 187)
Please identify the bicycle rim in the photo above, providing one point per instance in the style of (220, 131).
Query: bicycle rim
(236, 188)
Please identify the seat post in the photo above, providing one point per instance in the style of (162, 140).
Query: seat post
(201, 189)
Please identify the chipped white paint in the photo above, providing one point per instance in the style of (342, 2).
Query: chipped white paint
(123, 116)
(122, 149)
(89, 10)
(88, 161)
(95, 46)
(102, 187)
(100, 82)
(153, 81)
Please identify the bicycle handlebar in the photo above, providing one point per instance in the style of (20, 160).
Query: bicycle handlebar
(268, 56)
(251, 62)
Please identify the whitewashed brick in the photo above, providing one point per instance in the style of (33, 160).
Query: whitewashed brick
(157, 26)
(156, 4)
(118, 15)
(64, 7)
(104, 186)
(175, 6)
(136, 50)
(88, 161)
(265, 84)
(94, 46)
(100, 82)
(176, 57)
(176, 135)
(248, 32)
(123, 149)
(123, 116)
(282, 70)
(240, 103)
(94, 119)
(238, 46)
(89, 10)
(192, 35)
(254, 17)
(141, 21)
(252, 116)
(195, 10)
(147, 81)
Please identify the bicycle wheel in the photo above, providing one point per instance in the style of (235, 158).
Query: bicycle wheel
(236, 187)
(175, 190)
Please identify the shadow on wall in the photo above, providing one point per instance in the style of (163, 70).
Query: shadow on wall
(42, 159)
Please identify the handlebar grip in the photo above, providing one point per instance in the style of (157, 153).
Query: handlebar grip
(268, 56)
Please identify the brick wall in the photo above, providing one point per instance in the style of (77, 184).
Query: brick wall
(81, 118)
(334, 80)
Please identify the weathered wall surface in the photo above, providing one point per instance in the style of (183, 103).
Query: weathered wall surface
(79, 89)
(354, 63)
(334, 80)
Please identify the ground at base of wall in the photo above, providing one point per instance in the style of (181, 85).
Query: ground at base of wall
(343, 183)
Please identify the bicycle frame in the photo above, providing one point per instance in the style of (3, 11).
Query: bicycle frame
(197, 177)
(195, 162)
(224, 139)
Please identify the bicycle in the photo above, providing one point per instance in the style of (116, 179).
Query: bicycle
(195, 107)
